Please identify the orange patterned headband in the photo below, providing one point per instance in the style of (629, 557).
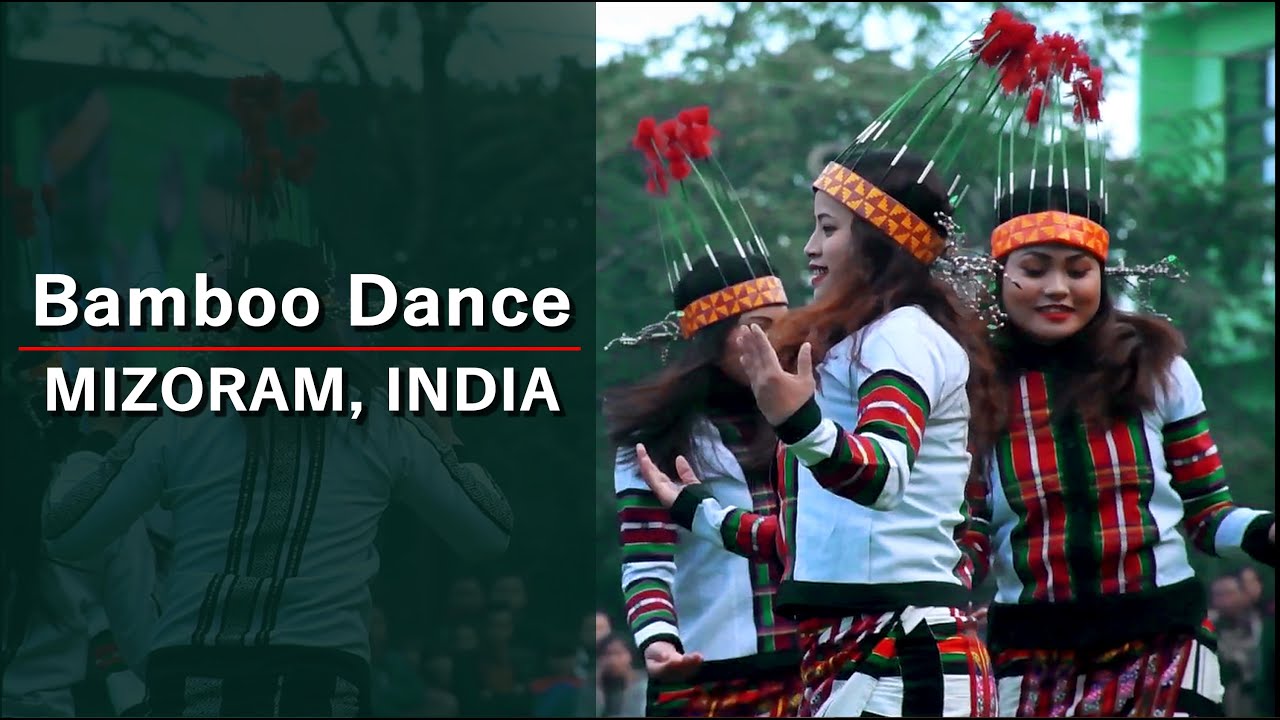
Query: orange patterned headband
(1051, 226)
(876, 207)
(733, 300)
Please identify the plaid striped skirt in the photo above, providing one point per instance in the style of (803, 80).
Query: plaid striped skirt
(770, 693)
(925, 662)
(1173, 674)
(257, 682)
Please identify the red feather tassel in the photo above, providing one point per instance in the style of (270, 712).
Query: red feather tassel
(672, 146)
(1035, 104)
(1004, 37)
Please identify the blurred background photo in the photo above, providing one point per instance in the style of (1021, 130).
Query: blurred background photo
(116, 130)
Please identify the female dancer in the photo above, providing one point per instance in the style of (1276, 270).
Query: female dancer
(1106, 452)
(704, 617)
(873, 460)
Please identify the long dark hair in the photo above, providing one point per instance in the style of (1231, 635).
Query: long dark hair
(891, 278)
(661, 411)
(1117, 364)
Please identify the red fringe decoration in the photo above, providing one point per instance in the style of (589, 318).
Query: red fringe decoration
(1088, 96)
(1004, 37)
(671, 147)
(1035, 104)
(1062, 50)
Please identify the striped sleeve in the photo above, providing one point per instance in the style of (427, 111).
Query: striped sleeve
(974, 534)
(871, 464)
(462, 500)
(647, 536)
(1211, 519)
(97, 503)
(752, 535)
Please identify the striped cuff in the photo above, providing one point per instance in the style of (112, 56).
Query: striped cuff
(1229, 540)
(819, 443)
(1256, 542)
(687, 503)
(699, 512)
(660, 631)
(801, 423)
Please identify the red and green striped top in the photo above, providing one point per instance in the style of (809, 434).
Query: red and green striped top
(652, 553)
(1081, 511)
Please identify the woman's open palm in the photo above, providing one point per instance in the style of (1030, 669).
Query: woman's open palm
(779, 394)
(663, 487)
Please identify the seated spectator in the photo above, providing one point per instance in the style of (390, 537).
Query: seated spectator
(595, 628)
(397, 689)
(468, 668)
(508, 592)
(440, 704)
(466, 600)
(1265, 691)
(1239, 634)
(558, 690)
(622, 687)
(440, 697)
(1251, 582)
(504, 678)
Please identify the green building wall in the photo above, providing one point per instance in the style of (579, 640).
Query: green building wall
(1182, 86)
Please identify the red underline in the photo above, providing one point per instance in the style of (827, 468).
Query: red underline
(299, 348)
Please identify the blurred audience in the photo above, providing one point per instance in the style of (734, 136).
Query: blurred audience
(397, 686)
(508, 593)
(595, 628)
(621, 686)
(1265, 694)
(466, 601)
(1239, 627)
(1251, 583)
(559, 691)
(489, 658)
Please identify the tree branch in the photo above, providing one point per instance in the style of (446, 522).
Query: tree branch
(338, 15)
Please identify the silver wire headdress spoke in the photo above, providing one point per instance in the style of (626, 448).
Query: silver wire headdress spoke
(665, 330)
(1140, 278)
(973, 275)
